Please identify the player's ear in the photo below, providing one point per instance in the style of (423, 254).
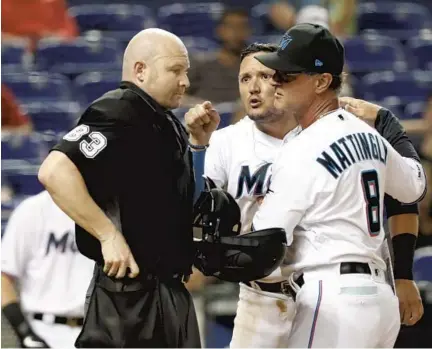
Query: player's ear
(140, 70)
(322, 83)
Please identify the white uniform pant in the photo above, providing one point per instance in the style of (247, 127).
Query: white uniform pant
(349, 310)
(263, 319)
(56, 335)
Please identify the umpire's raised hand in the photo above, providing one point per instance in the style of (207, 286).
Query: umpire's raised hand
(201, 121)
(117, 256)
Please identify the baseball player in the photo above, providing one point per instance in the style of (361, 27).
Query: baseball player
(402, 219)
(239, 159)
(39, 255)
(331, 202)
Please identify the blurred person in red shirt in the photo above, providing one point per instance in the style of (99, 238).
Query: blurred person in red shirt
(12, 118)
(36, 19)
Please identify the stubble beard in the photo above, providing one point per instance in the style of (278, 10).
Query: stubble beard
(270, 116)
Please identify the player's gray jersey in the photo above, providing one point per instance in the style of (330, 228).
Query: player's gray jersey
(327, 191)
(239, 160)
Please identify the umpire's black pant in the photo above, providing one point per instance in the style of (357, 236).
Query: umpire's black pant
(137, 313)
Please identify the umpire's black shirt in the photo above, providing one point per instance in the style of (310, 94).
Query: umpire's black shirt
(134, 158)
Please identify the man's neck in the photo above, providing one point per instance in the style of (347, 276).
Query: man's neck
(317, 110)
(278, 129)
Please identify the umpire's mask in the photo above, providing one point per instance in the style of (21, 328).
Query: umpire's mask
(221, 251)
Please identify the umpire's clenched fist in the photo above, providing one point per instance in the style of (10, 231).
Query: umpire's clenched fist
(201, 121)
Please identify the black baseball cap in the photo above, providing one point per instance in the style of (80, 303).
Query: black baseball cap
(306, 48)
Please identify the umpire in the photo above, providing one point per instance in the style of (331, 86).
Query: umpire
(125, 176)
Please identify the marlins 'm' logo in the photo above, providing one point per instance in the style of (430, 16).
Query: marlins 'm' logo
(254, 184)
(286, 39)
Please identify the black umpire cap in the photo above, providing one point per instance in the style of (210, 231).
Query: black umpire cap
(308, 48)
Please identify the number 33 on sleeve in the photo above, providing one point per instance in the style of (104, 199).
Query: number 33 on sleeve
(89, 149)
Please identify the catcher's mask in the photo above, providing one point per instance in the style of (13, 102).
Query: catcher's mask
(221, 251)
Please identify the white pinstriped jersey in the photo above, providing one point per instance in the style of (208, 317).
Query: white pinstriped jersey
(38, 248)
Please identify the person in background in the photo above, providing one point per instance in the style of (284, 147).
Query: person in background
(36, 19)
(215, 77)
(283, 14)
(418, 336)
(343, 21)
(336, 15)
(7, 191)
(13, 118)
(39, 254)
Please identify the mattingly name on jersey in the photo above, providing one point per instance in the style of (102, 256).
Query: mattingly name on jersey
(350, 149)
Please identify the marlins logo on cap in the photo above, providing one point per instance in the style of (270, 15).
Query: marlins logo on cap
(286, 39)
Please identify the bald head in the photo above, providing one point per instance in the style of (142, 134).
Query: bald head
(149, 45)
(157, 62)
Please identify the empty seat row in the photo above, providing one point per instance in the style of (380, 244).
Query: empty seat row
(403, 20)
(413, 86)
(201, 18)
(36, 88)
(85, 54)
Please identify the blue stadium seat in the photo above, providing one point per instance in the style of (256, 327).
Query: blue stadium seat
(93, 85)
(23, 179)
(191, 19)
(374, 53)
(113, 17)
(415, 110)
(394, 104)
(406, 86)
(78, 56)
(38, 86)
(50, 137)
(421, 49)
(422, 264)
(22, 147)
(53, 116)
(14, 56)
(122, 37)
(261, 22)
(12, 53)
(403, 20)
(196, 45)
(21, 159)
(7, 208)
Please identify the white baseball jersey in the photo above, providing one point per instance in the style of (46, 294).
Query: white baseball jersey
(239, 160)
(327, 191)
(38, 248)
